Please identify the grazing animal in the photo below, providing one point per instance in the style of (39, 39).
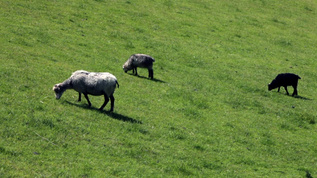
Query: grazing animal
(93, 83)
(308, 175)
(139, 60)
(285, 79)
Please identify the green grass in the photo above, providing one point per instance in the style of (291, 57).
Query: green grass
(207, 113)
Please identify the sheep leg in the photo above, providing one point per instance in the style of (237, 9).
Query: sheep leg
(286, 90)
(112, 103)
(278, 89)
(86, 96)
(136, 71)
(151, 73)
(295, 91)
(105, 103)
(79, 97)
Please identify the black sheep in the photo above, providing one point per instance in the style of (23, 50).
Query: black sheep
(285, 79)
(139, 60)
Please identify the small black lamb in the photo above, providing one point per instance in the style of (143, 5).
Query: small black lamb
(285, 79)
(139, 60)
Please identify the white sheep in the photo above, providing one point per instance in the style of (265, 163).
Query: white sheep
(139, 60)
(93, 83)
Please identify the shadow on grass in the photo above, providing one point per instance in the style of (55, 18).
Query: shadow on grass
(154, 79)
(302, 97)
(108, 113)
(121, 117)
(297, 96)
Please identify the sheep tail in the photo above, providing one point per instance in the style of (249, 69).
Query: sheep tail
(299, 77)
(117, 84)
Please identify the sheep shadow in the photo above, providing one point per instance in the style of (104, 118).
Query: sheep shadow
(108, 113)
(154, 79)
(301, 97)
(296, 96)
(121, 117)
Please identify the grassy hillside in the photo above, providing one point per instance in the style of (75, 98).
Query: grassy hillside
(206, 113)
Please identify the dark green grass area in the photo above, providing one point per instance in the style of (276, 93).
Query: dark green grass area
(206, 113)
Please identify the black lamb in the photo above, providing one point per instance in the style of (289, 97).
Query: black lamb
(285, 79)
(139, 60)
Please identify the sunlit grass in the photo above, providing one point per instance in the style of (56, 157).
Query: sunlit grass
(206, 113)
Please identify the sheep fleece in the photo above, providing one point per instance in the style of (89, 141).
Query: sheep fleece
(94, 83)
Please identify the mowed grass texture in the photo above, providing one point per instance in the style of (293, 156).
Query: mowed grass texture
(207, 113)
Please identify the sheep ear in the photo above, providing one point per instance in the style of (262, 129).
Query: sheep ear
(55, 86)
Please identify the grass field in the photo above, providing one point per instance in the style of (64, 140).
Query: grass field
(207, 113)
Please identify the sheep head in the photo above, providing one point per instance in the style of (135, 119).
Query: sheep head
(59, 90)
(269, 87)
(126, 67)
(272, 85)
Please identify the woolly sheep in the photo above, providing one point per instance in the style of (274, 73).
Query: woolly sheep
(285, 79)
(139, 60)
(93, 83)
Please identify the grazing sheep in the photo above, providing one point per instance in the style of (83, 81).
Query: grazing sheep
(285, 79)
(139, 60)
(93, 83)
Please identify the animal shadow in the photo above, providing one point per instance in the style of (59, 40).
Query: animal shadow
(122, 117)
(108, 113)
(154, 79)
(297, 96)
(302, 97)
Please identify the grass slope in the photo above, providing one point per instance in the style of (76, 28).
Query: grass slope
(208, 111)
